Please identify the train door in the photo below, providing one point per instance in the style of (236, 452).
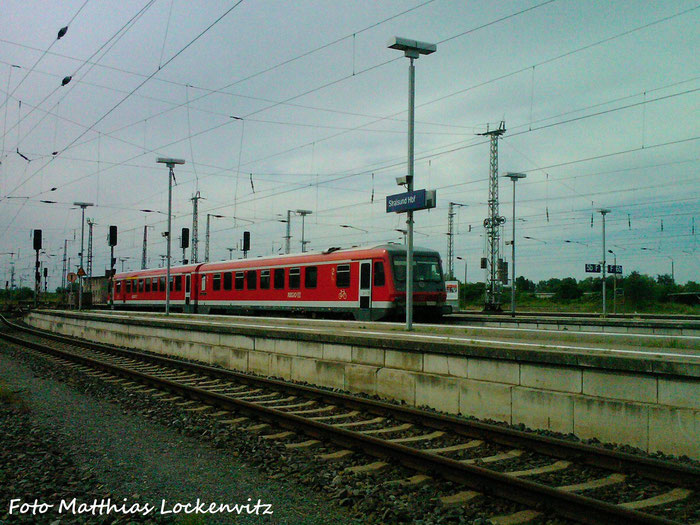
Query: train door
(365, 294)
(188, 287)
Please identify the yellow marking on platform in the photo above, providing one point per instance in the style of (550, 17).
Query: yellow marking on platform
(279, 435)
(359, 423)
(423, 437)
(369, 467)
(334, 456)
(454, 448)
(668, 497)
(303, 444)
(554, 467)
(492, 459)
(389, 430)
(524, 516)
(460, 498)
(612, 479)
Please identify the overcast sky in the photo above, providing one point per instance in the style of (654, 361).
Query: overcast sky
(279, 105)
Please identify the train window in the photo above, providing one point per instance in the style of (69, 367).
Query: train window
(204, 283)
(228, 280)
(148, 285)
(141, 288)
(425, 269)
(240, 279)
(310, 276)
(119, 287)
(154, 284)
(161, 284)
(178, 283)
(171, 283)
(294, 278)
(264, 279)
(279, 278)
(252, 278)
(127, 288)
(216, 282)
(342, 279)
(379, 277)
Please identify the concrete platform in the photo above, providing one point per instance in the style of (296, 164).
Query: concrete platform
(640, 390)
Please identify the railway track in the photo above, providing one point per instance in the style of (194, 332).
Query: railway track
(530, 469)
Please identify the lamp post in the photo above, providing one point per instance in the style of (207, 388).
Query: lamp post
(303, 214)
(82, 206)
(206, 243)
(412, 50)
(603, 212)
(170, 163)
(353, 228)
(514, 177)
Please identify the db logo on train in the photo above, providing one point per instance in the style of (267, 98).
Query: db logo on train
(342, 294)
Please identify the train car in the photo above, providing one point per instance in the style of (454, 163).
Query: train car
(364, 283)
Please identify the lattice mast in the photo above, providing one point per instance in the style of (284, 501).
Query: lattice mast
(144, 250)
(492, 225)
(90, 223)
(195, 227)
(450, 239)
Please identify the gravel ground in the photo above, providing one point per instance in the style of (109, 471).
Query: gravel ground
(63, 444)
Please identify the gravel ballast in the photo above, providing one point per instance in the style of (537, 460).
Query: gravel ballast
(59, 443)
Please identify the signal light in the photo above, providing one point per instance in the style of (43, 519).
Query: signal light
(112, 235)
(185, 238)
(246, 241)
(37, 239)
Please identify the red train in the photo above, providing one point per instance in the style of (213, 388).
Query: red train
(366, 283)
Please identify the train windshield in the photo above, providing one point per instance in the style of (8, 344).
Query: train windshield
(426, 268)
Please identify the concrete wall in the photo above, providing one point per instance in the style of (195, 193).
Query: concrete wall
(654, 411)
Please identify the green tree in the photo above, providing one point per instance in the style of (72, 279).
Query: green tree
(568, 289)
(639, 288)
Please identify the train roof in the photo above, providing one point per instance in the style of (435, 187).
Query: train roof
(331, 254)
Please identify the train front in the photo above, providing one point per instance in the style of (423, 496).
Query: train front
(429, 296)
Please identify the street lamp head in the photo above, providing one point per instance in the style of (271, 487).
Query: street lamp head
(402, 181)
(83, 204)
(603, 211)
(411, 48)
(169, 162)
(304, 212)
(515, 176)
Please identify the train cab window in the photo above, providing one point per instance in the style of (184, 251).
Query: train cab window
(161, 284)
(251, 279)
(294, 278)
(216, 282)
(342, 279)
(228, 280)
(204, 283)
(240, 280)
(379, 277)
(178, 283)
(310, 276)
(279, 278)
(264, 279)
(148, 285)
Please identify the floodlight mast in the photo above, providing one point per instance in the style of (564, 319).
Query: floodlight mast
(412, 49)
(170, 163)
(81, 205)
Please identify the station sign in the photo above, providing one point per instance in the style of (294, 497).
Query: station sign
(592, 268)
(410, 201)
(614, 268)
